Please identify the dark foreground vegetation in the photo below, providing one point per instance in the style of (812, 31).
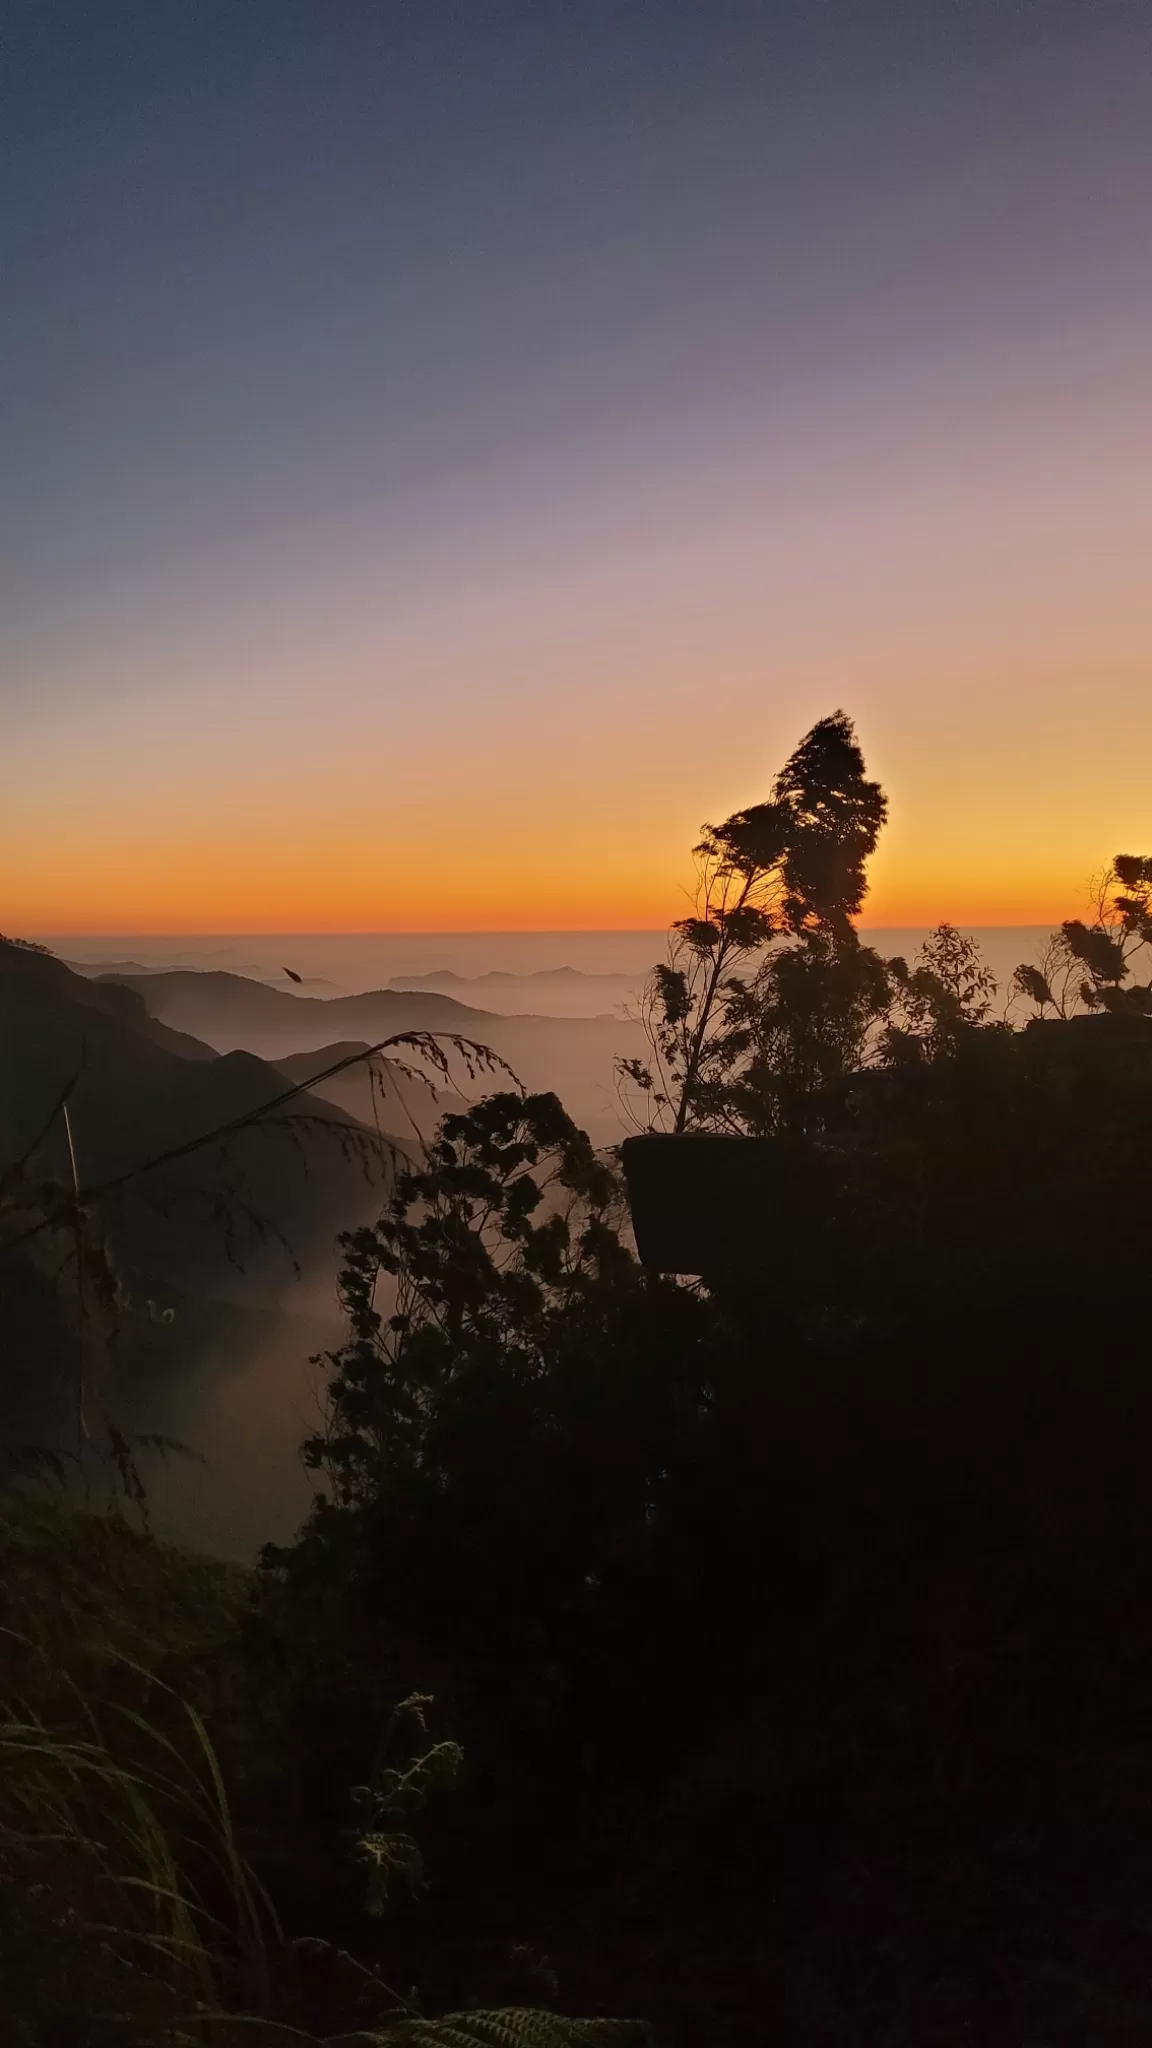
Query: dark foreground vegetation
(760, 1646)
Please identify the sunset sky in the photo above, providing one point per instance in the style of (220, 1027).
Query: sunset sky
(449, 448)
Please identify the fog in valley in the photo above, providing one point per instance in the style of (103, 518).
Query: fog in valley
(555, 974)
(229, 1376)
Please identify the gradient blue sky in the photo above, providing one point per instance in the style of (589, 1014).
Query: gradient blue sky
(448, 449)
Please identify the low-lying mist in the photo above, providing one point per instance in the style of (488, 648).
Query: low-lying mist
(240, 1399)
(233, 1381)
(509, 972)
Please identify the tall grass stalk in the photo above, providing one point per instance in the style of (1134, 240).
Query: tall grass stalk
(123, 1898)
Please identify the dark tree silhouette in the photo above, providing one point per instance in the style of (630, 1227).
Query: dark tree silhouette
(786, 874)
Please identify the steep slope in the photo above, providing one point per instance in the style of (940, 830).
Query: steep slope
(215, 1223)
(139, 1087)
(27, 975)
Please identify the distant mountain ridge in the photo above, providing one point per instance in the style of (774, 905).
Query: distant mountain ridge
(504, 975)
(233, 1007)
(130, 970)
(574, 1056)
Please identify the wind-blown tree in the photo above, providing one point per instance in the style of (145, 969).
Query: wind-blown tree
(783, 879)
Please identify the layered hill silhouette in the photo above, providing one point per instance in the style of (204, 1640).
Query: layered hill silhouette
(573, 1055)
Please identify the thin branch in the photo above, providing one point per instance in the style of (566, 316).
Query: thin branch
(477, 1058)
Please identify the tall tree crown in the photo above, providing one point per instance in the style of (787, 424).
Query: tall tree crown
(817, 829)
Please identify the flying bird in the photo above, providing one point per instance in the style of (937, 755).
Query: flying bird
(292, 975)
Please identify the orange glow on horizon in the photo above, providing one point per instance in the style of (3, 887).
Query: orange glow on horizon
(579, 839)
(621, 868)
(165, 899)
(445, 580)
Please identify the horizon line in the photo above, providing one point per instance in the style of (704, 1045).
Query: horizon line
(499, 931)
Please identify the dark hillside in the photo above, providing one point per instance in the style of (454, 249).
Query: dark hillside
(28, 975)
(221, 1221)
(140, 1087)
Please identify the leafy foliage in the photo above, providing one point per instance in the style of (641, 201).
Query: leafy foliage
(1092, 965)
(387, 1847)
(488, 1252)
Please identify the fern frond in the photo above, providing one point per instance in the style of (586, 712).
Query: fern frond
(513, 2027)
